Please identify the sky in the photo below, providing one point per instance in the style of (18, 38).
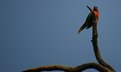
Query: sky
(35, 33)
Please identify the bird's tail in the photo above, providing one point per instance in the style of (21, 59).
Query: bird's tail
(81, 28)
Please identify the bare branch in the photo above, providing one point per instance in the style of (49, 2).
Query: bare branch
(79, 68)
(95, 66)
(95, 45)
(50, 68)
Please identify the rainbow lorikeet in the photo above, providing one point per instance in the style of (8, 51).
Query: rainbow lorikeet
(89, 20)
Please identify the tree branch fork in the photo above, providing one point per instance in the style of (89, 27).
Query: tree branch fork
(101, 66)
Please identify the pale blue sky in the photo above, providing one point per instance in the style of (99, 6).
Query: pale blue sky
(44, 32)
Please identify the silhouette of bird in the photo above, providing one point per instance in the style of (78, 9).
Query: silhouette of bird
(89, 20)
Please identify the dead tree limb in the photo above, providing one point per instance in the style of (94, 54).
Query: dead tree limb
(95, 44)
(79, 68)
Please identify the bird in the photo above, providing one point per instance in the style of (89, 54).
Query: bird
(89, 20)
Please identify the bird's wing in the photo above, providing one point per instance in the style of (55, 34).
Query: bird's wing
(86, 23)
(82, 27)
(89, 21)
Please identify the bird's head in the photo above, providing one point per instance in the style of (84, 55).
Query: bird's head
(95, 8)
(96, 12)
